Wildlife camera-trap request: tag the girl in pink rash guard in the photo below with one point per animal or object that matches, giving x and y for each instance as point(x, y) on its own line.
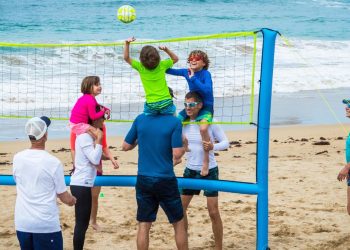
point(85, 107)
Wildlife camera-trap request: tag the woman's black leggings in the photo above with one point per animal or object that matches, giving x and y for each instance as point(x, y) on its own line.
point(82, 214)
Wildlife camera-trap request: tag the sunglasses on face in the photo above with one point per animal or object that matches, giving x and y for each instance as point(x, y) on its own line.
point(195, 58)
point(190, 104)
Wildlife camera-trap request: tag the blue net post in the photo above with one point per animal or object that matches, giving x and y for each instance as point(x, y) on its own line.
point(268, 52)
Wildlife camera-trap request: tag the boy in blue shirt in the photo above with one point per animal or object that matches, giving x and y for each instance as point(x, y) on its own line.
point(199, 79)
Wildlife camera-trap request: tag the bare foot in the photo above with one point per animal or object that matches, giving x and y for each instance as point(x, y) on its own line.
point(96, 227)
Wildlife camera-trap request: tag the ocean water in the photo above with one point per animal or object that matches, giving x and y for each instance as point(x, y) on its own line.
point(318, 30)
point(316, 59)
point(95, 20)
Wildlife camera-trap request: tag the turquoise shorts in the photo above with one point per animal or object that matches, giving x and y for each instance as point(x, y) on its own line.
point(206, 113)
point(165, 107)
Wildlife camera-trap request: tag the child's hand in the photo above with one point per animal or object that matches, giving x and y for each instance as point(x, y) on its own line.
point(164, 48)
point(107, 113)
point(190, 72)
point(208, 145)
point(115, 163)
point(343, 174)
point(130, 39)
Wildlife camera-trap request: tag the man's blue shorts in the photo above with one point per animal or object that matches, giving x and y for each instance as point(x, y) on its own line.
point(40, 241)
point(154, 191)
point(213, 175)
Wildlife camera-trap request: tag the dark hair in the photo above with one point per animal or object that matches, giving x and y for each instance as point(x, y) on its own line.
point(87, 84)
point(32, 138)
point(98, 109)
point(149, 57)
point(171, 92)
point(195, 95)
point(202, 54)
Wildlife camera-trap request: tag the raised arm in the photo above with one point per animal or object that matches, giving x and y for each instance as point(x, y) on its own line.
point(127, 57)
point(171, 54)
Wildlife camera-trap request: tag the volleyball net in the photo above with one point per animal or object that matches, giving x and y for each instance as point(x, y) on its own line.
point(44, 79)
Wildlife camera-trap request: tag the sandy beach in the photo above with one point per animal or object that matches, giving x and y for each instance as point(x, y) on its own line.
point(307, 205)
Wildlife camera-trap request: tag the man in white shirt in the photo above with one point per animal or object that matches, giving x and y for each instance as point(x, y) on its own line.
point(194, 161)
point(39, 181)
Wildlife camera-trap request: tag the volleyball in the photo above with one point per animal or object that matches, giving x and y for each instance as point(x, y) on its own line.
point(126, 14)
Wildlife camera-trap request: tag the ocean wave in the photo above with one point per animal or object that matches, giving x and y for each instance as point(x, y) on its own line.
point(53, 75)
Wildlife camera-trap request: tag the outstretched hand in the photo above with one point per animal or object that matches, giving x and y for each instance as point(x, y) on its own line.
point(130, 39)
point(164, 48)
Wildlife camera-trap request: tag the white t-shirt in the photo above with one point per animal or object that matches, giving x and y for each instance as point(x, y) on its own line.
point(39, 178)
point(194, 158)
point(87, 158)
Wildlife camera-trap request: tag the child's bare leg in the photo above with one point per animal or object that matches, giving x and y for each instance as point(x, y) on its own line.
point(205, 137)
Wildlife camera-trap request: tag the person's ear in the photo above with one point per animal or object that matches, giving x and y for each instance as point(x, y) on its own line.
point(45, 136)
point(200, 105)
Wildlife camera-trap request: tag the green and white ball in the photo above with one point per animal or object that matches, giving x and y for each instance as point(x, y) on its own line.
point(126, 14)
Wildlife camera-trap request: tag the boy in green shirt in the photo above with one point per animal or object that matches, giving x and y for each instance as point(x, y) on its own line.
point(152, 74)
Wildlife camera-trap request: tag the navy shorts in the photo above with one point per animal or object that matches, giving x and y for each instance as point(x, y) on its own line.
point(154, 191)
point(40, 241)
point(213, 175)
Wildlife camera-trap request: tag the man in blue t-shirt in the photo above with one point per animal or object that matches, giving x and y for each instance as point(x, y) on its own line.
point(159, 138)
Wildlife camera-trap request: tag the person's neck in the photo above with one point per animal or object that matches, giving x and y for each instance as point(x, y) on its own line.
point(198, 70)
point(38, 146)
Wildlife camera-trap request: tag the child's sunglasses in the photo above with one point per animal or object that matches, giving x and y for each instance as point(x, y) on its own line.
point(195, 58)
point(190, 104)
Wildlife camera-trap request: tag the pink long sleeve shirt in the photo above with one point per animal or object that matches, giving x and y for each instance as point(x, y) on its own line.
point(84, 109)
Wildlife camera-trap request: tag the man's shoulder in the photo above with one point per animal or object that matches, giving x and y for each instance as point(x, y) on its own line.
point(27, 153)
point(157, 119)
point(83, 138)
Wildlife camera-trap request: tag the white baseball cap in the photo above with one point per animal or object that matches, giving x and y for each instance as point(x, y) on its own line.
point(37, 127)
